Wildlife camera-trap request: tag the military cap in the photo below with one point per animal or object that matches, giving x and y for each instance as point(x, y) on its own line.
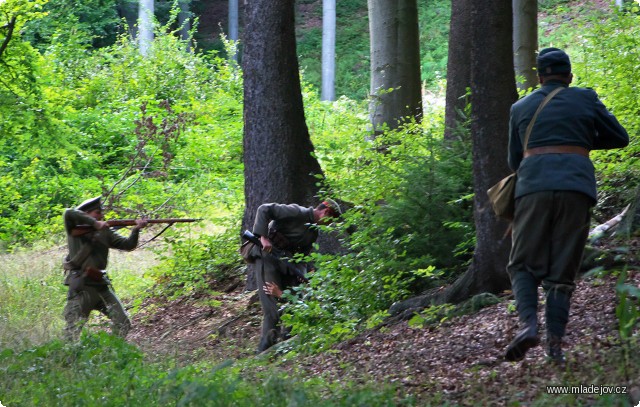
point(553, 61)
point(333, 205)
point(90, 204)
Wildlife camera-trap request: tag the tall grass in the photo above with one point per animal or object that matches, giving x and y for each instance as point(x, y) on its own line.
point(32, 295)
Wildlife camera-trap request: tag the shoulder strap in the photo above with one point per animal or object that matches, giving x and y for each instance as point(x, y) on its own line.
point(535, 116)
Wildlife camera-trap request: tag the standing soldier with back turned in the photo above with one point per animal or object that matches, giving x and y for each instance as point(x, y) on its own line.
point(555, 192)
point(89, 286)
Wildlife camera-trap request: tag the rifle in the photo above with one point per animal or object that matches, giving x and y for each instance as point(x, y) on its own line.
point(80, 230)
point(247, 235)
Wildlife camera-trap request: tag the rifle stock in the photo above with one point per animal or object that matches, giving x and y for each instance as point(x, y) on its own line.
point(80, 230)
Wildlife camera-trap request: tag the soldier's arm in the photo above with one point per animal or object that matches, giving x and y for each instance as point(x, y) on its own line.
point(515, 150)
point(273, 211)
point(610, 133)
point(117, 241)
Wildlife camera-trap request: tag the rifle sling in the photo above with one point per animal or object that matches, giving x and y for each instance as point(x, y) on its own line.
point(153, 238)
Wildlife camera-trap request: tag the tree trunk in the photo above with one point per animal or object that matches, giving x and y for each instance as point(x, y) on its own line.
point(233, 25)
point(493, 91)
point(278, 162)
point(395, 63)
point(525, 42)
point(184, 22)
point(328, 49)
point(458, 67)
point(145, 26)
point(491, 100)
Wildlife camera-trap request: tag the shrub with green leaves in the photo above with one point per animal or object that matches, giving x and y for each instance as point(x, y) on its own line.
point(412, 210)
point(191, 265)
point(105, 370)
point(606, 59)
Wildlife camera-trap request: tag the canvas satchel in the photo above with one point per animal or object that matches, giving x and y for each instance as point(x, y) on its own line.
point(247, 251)
point(502, 194)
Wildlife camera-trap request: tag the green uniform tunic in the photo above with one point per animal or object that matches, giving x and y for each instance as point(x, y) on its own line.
point(92, 290)
point(296, 224)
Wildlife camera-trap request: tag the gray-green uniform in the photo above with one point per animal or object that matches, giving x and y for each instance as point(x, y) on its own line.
point(554, 192)
point(89, 286)
point(296, 233)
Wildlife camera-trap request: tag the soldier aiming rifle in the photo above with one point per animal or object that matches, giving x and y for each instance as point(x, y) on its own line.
point(89, 238)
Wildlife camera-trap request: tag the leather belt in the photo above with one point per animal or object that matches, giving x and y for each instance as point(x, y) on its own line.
point(556, 150)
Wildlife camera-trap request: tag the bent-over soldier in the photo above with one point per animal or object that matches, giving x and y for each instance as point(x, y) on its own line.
point(284, 231)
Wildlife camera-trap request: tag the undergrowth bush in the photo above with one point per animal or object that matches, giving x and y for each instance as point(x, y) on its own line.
point(606, 59)
point(410, 228)
point(192, 265)
point(105, 370)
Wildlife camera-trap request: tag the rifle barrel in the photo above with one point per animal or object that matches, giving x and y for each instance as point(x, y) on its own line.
point(79, 230)
point(131, 222)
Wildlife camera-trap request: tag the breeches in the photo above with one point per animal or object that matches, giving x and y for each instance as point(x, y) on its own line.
point(101, 298)
point(549, 234)
point(270, 269)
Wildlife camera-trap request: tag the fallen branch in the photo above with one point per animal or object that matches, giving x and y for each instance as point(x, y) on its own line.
point(599, 231)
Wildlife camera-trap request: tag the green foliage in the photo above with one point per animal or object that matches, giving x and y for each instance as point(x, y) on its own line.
point(545, 5)
point(111, 121)
point(434, 33)
point(191, 265)
point(100, 369)
point(95, 21)
point(628, 310)
point(32, 300)
point(105, 370)
point(433, 315)
point(606, 59)
point(410, 217)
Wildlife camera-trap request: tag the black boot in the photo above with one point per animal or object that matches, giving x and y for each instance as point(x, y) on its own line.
point(554, 350)
point(525, 339)
point(525, 289)
point(557, 315)
point(267, 341)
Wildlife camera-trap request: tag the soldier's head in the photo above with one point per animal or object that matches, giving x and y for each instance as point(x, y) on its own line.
point(93, 207)
point(327, 210)
point(554, 63)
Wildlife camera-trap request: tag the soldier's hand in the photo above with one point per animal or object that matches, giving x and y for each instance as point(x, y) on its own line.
point(99, 225)
point(141, 223)
point(272, 289)
point(266, 244)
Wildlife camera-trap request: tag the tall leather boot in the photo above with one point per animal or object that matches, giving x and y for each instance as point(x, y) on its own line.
point(557, 314)
point(525, 289)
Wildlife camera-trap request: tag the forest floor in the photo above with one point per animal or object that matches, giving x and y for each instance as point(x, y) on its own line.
point(458, 361)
